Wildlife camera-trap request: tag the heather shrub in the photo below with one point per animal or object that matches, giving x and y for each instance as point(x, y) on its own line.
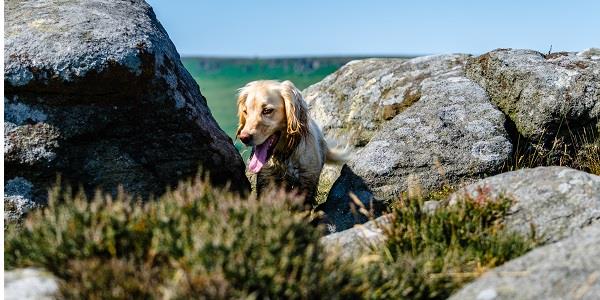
point(199, 242)
point(430, 254)
point(194, 242)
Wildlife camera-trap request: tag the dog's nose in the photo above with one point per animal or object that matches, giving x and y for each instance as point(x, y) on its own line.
point(245, 138)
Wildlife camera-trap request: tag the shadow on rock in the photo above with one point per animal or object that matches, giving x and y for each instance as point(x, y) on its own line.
point(341, 212)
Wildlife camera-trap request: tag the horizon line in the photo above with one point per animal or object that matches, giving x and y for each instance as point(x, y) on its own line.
point(299, 56)
point(361, 55)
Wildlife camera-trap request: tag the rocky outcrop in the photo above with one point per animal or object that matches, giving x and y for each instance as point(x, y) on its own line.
point(95, 91)
point(568, 269)
point(359, 240)
point(426, 124)
point(449, 119)
point(553, 201)
point(553, 100)
point(29, 283)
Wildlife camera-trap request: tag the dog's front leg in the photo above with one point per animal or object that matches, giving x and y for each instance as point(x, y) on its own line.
point(308, 182)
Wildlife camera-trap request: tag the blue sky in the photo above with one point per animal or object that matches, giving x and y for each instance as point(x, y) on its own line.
point(269, 28)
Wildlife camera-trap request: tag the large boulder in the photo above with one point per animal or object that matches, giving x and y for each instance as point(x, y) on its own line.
point(553, 100)
point(568, 269)
point(553, 201)
point(95, 91)
point(447, 133)
point(354, 102)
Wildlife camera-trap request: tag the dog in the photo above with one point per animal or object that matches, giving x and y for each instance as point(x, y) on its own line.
point(288, 147)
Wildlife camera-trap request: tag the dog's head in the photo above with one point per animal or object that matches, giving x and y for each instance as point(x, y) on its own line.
point(272, 115)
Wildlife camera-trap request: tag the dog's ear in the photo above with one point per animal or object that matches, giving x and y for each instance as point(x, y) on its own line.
point(241, 103)
point(296, 112)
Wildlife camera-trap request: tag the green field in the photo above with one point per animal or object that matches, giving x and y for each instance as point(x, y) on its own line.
point(219, 79)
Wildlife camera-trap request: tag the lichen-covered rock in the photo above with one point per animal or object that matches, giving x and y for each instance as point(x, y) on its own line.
point(556, 201)
point(551, 98)
point(95, 91)
point(31, 145)
point(354, 102)
point(21, 284)
point(17, 199)
point(451, 133)
point(359, 240)
point(568, 269)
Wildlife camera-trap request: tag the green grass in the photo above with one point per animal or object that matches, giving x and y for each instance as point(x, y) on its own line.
point(200, 242)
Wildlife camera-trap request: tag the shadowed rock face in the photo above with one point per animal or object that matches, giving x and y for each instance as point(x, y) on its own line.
point(95, 91)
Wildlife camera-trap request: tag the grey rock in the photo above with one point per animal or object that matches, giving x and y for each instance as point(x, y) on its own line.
point(356, 100)
point(556, 201)
point(95, 90)
point(18, 186)
point(430, 206)
point(29, 283)
point(450, 134)
point(353, 103)
point(551, 98)
point(591, 53)
point(17, 199)
point(359, 240)
point(32, 145)
point(568, 269)
point(20, 113)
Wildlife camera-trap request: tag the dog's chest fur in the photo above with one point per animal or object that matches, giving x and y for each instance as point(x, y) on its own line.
point(298, 171)
point(280, 171)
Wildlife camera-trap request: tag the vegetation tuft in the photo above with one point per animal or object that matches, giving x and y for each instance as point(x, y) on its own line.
point(579, 150)
point(430, 254)
point(588, 157)
point(201, 242)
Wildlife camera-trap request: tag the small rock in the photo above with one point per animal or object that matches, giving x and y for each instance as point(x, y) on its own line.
point(431, 206)
point(359, 240)
point(591, 53)
point(29, 283)
point(489, 294)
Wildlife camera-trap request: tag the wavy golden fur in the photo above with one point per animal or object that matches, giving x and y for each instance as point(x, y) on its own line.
point(269, 108)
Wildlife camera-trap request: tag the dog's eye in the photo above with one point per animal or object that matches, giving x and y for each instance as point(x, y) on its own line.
point(267, 111)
